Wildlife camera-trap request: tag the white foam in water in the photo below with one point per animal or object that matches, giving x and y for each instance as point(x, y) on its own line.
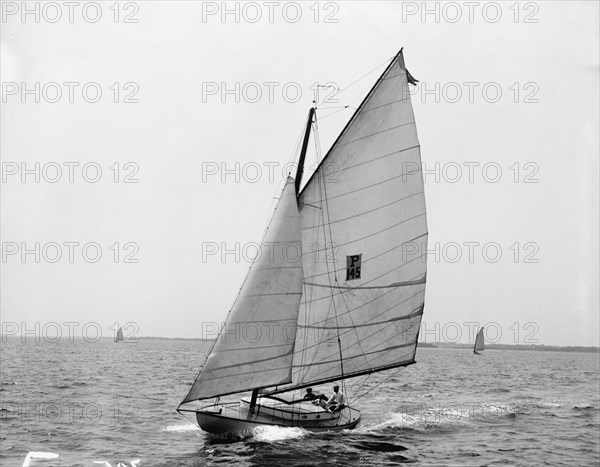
point(180, 428)
point(549, 405)
point(399, 420)
point(424, 419)
point(277, 433)
point(33, 455)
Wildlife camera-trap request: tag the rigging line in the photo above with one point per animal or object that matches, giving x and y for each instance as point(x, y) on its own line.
point(387, 60)
point(365, 285)
point(389, 154)
point(230, 309)
point(403, 175)
point(368, 211)
point(324, 86)
point(415, 312)
point(355, 331)
point(360, 396)
point(328, 359)
point(383, 312)
point(387, 251)
point(364, 380)
point(379, 231)
point(315, 354)
point(308, 307)
point(324, 185)
point(341, 90)
point(376, 133)
point(338, 111)
point(391, 290)
point(304, 337)
point(419, 279)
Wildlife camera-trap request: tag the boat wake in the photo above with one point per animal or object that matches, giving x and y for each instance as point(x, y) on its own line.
point(444, 417)
point(180, 428)
point(269, 434)
point(418, 422)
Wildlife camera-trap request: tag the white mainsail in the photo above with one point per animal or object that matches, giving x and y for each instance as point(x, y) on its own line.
point(479, 341)
point(364, 208)
point(254, 349)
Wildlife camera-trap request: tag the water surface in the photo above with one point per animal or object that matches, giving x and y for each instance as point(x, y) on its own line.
point(93, 402)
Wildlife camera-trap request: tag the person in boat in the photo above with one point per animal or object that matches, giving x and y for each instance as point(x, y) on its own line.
point(316, 399)
point(337, 401)
point(310, 395)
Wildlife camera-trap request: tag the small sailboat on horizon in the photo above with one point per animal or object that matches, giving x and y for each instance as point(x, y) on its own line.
point(337, 297)
point(119, 336)
point(479, 343)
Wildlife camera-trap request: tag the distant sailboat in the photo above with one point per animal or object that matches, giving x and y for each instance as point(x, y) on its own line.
point(119, 336)
point(336, 297)
point(479, 345)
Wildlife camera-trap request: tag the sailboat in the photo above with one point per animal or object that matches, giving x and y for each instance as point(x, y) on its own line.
point(340, 294)
point(119, 336)
point(479, 345)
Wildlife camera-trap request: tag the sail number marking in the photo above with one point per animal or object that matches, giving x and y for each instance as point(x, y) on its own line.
point(353, 263)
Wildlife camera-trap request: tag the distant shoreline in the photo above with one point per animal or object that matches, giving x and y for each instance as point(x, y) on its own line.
point(530, 347)
point(424, 345)
point(444, 345)
point(447, 345)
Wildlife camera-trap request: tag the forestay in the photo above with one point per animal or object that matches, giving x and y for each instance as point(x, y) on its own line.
point(254, 349)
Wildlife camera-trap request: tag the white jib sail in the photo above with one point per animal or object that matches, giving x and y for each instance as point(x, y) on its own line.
point(255, 348)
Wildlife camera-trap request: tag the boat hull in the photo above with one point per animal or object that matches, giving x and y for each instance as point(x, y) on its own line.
point(241, 420)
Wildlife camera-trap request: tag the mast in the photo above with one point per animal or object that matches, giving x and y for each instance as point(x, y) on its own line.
point(253, 402)
point(311, 113)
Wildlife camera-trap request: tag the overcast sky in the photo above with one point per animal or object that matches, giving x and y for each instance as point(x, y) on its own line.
point(506, 110)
